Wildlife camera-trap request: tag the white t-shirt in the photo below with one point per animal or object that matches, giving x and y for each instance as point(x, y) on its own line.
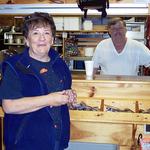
point(127, 62)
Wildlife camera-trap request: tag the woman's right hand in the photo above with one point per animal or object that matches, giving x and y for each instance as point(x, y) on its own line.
point(62, 98)
point(29, 104)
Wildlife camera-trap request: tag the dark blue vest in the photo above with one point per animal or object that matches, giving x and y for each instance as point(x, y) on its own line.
point(37, 130)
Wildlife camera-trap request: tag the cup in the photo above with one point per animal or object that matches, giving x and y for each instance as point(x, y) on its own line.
point(10, 41)
point(18, 41)
point(89, 69)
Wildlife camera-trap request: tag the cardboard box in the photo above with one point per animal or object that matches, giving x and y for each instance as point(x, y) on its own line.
point(59, 22)
point(72, 23)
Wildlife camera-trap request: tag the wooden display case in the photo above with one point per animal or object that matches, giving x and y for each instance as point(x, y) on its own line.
point(128, 100)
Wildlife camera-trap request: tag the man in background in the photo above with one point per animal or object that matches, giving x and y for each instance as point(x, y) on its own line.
point(119, 55)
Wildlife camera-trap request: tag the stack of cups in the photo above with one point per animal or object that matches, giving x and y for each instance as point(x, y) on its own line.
point(89, 64)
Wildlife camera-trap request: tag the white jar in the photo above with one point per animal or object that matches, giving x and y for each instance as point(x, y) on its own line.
point(87, 25)
point(88, 51)
point(18, 41)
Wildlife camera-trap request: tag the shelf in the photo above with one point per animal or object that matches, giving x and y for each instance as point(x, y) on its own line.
point(14, 44)
point(57, 45)
point(84, 31)
point(15, 33)
point(14, 39)
point(68, 31)
point(85, 38)
point(78, 71)
point(110, 117)
point(79, 58)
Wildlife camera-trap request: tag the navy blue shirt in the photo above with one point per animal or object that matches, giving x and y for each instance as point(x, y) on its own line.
point(52, 81)
point(48, 75)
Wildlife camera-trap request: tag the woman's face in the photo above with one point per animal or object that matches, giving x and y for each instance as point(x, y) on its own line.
point(39, 41)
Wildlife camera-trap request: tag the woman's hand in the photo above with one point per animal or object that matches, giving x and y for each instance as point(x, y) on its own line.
point(30, 104)
point(62, 98)
point(72, 96)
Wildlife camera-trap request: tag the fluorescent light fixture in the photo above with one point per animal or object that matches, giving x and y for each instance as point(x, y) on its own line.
point(134, 9)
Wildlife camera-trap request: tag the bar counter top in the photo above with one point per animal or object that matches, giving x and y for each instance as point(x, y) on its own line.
point(112, 87)
point(108, 92)
point(113, 78)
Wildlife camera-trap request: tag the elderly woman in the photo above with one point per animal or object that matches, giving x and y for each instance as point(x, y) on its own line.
point(35, 90)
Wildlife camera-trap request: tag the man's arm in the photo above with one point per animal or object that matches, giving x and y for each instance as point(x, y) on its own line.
point(96, 71)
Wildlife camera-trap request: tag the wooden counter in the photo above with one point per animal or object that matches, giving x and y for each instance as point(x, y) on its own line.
point(102, 126)
point(118, 87)
point(122, 128)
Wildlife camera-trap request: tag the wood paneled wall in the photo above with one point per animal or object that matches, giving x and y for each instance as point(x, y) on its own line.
point(6, 20)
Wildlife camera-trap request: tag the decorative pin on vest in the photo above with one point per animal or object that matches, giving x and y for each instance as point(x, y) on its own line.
point(43, 70)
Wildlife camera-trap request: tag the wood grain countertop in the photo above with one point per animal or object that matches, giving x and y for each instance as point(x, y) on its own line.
point(110, 78)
